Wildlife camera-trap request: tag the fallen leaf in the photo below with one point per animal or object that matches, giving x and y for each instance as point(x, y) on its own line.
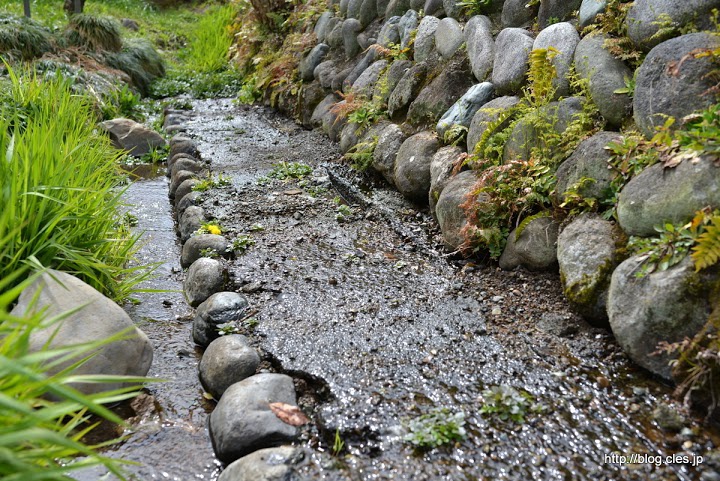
point(293, 192)
point(289, 414)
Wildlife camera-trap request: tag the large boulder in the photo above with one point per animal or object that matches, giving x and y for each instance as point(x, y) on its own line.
point(204, 278)
point(650, 22)
point(133, 137)
point(533, 247)
point(588, 252)
point(512, 52)
point(556, 11)
point(390, 79)
point(389, 142)
point(368, 12)
point(321, 27)
point(605, 74)
point(489, 114)
point(395, 7)
point(441, 168)
point(480, 46)
point(407, 89)
point(218, 309)
point(243, 421)
point(365, 83)
point(588, 161)
point(425, 37)
point(93, 318)
point(323, 109)
point(227, 360)
point(190, 221)
point(448, 210)
point(389, 33)
point(518, 13)
point(659, 195)
point(407, 25)
point(204, 245)
point(463, 111)
point(412, 166)
point(672, 82)
point(269, 464)
point(589, 10)
point(309, 97)
point(325, 72)
point(350, 30)
point(308, 64)
point(563, 38)
point(663, 306)
point(434, 7)
point(355, 73)
point(448, 37)
point(444, 90)
point(183, 145)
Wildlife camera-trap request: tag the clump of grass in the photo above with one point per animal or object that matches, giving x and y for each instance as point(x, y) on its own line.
point(60, 188)
point(23, 38)
point(508, 403)
point(437, 428)
point(211, 40)
point(94, 33)
point(290, 170)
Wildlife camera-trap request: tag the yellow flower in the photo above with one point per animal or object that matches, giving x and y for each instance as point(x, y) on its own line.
point(213, 229)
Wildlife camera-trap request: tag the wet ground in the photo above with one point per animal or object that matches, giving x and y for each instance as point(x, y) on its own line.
point(356, 299)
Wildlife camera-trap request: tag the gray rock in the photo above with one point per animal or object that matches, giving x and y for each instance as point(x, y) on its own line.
point(184, 163)
point(334, 122)
point(365, 40)
point(535, 248)
point(182, 203)
point(343, 6)
point(339, 80)
point(193, 249)
point(368, 59)
point(324, 73)
point(183, 145)
point(450, 215)
point(516, 14)
point(487, 114)
point(425, 38)
point(665, 306)
point(441, 167)
point(417, 5)
point(480, 46)
point(204, 278)
point(589, 161)
point(412, 166)
point(354, 9)
point(322, 109)
point(179, 177)
point(605, 75)
point(365, 83)
point(242, 421)
point(350, 29)
point(434, 7)
point(368, 12)
point(512, 52)
point(308, 64)
point(448, 37)
point(95, 318)
point(407, 88)
point(390, 79)
point(226, 361)
point(587, 252)
point(556, 11)
point(658, 195)
point(270, 464)
point(589, 9)
point(382, 6)
point(175, 158)
point(660, 91)
point(396, 8)
point(130, 24)
point(321, 27)
point(564, 38)
point(334, 38)
point(407, 24)
point(389, 32)
point(132, 137)
point(668, 418)
point(190, 222)
point(525, 136)
point(444, 90)
point(463, 111)
point(646, 18)
point(220, 308)
point(350, 136)
point(184, 189)
point(389, 142)
point(452, 8)
point(309, 96)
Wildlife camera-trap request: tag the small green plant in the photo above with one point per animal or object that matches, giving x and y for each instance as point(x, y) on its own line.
point(393, 51)
point(212, 182)
point(209, 252)
point(212, 227)
point(257, 228)
point(227, 329)
point(507, 403)
point(361, 154)
point(455, 135)
point(156, 155)
point(629, 88)
point(707, 251)
point(343, 212)
point(437, 428)
point(130, 219)
point(338, 443)
point(290, 170)
point(242, 243)
point(475, 7)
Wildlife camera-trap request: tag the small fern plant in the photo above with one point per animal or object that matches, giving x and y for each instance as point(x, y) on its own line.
point(706, 252)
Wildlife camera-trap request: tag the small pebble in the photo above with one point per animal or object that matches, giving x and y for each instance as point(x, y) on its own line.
point(496, 311)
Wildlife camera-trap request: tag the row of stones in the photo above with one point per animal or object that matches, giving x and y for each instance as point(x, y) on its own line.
point(244, 431)
point(587, 251)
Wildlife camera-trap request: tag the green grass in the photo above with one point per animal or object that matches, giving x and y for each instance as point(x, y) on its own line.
point(210, 43)
point(60, 190)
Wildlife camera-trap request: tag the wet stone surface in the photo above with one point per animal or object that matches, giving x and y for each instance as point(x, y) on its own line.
point(366, 305)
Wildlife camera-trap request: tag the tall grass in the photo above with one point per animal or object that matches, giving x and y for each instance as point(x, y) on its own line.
point(210, 43)
point(59, 188)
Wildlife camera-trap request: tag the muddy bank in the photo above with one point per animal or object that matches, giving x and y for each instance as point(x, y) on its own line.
point(356, 298)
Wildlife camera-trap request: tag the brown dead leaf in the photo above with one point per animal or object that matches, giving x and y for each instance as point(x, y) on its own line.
point(293, 192)
point(289, 414)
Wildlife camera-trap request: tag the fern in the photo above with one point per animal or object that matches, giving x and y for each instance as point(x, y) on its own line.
point(540, 75)
point(707, 250)
point(526, 221)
